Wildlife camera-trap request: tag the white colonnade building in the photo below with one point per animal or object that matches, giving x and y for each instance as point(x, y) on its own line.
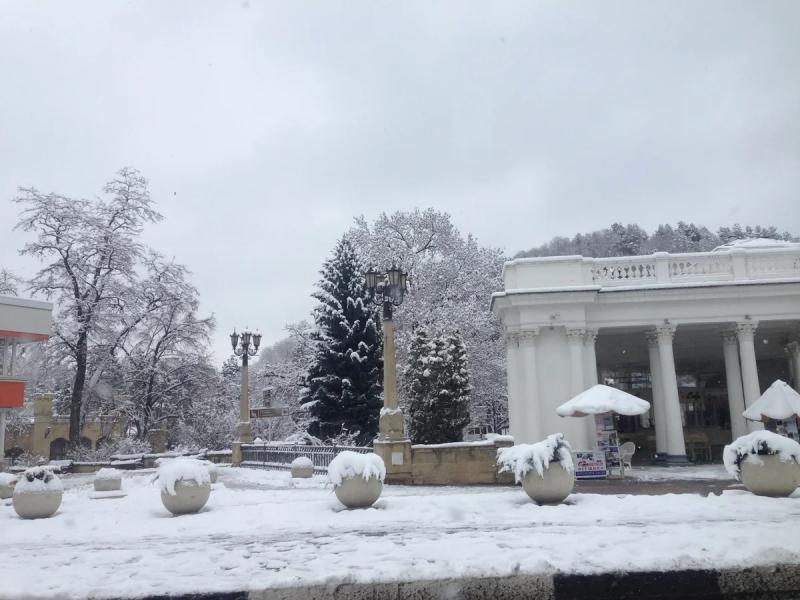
point(700, 335)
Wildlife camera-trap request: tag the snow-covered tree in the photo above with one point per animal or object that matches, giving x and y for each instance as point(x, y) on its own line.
point(281, 370)
point(439, 388)
point(451, 278)
point(8, 283)
point(167, 350)
point(344, 381)
point(91, 250)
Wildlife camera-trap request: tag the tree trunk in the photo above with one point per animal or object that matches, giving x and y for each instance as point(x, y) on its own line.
point(76, 401)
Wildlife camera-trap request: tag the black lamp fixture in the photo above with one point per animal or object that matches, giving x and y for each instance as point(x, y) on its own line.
point(386, 289)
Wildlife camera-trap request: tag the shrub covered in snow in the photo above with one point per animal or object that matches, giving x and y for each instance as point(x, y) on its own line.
point(522, 458)
point(758, 443)
point(38, 479)
point(181, 469)
point(349, 464)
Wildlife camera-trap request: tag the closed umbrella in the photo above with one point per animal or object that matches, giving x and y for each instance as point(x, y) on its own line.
point(600, 399)
point(779, 402)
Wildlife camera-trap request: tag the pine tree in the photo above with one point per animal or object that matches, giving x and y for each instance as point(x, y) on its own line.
point(344, 381)
point(439, 388)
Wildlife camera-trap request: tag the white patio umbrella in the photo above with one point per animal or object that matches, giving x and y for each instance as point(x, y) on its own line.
point(600, 399)
point(780, 401)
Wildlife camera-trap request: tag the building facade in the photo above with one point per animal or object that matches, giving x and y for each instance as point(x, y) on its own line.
point(699, 335)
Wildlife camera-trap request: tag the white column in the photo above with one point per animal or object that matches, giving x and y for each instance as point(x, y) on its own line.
point(733, 377)
point(745, 333)
point(532, 425)
point(676, 447)
point(793, 352)
point(515, 406)
point(657, 387)
point(590, 378)
point(590, 358)
point(576, 361)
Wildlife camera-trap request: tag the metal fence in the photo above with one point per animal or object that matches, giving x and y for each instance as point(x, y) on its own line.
point(281, 456)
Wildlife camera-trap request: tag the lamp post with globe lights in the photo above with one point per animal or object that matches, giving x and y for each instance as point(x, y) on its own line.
point(245, 345)
point(388, 290)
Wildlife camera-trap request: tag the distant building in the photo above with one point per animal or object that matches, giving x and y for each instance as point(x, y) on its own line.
point(700, 335)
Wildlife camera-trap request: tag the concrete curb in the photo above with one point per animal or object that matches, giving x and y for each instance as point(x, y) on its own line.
point(777, 582)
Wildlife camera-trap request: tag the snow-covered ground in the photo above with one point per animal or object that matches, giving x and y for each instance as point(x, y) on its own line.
point(260, 529)
point(715, 472)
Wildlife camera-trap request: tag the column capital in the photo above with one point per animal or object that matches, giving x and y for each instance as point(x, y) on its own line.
point(575, 335)
point(527, 336)
point(745, 330)
point(590, 336)
point(664, 332)
point(512, 337)
point(729, 337)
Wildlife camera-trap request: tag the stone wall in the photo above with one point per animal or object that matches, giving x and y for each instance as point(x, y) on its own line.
point(461, 463)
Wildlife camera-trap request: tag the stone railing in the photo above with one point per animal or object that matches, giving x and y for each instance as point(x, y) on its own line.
point(660, 268)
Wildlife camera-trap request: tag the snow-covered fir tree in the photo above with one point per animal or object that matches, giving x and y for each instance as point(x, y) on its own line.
point(439, 389)
point(345, 377)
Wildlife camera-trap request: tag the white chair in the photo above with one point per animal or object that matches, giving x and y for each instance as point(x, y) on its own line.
point(626, 452)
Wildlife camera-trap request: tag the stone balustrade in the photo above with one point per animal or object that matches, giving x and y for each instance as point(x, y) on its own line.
point(658, 269)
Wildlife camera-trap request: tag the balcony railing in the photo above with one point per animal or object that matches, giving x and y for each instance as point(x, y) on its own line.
point(660, 268)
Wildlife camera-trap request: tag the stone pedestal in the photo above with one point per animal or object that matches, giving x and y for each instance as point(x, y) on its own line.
point(244, 432)
point(236, 454)
point(396, 456)
point(391, 426)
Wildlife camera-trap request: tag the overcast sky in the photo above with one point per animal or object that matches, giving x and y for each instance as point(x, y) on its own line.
point(265, 127)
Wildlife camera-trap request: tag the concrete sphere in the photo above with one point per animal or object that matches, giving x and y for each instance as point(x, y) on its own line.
point(7, 489)
point(357, 492)
point(553, 488)
point(302, 468)
point(39, 504)
point(774, 478)
point(189, 497)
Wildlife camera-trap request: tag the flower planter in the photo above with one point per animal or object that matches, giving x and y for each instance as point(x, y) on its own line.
point(544, 469)
point(357, 492)
point(185, 485)
point(767, 464)
point(37, 494)
point(357, 478)
point(770, 476)
point(7, 483)
point(302, 467)
point(552, 487)
point(107, 480)
point(189, 497)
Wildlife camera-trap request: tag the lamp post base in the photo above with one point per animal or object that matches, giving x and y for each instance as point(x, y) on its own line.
point(396, 457)
point(244, 432)
point(391, 426)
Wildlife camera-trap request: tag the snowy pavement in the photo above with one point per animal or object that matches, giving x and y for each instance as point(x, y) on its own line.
point(260, 529)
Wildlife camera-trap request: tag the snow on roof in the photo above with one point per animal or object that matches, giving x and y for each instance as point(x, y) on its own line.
point(600, 399)
point(756, 243)
point(780, 401)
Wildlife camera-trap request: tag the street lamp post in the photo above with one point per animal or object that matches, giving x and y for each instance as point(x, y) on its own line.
point(388, 290)
point(245, 345)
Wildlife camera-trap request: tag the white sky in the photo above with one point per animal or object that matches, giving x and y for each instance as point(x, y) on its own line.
point(265, 127)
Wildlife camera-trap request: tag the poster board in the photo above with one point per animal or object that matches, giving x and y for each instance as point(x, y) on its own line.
point(608, 444)
point(590, 464)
